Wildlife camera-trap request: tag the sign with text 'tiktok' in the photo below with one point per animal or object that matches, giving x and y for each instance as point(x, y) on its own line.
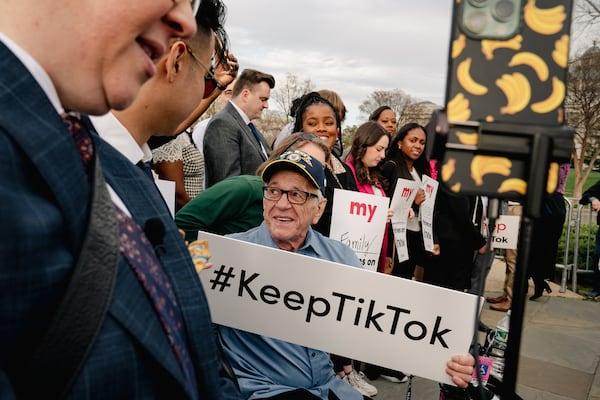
point(398, 323)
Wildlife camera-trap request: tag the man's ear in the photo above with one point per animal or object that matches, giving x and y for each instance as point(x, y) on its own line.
point(321, 209)
point(175, 58)
point(244, 94)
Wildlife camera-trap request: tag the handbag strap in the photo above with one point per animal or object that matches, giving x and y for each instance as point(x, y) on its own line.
point(80, 314)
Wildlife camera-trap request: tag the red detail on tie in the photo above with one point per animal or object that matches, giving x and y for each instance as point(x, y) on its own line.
point(138, 251)
point(82, 139)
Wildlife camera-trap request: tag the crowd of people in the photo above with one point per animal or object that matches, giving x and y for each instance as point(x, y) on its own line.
point(96, 277)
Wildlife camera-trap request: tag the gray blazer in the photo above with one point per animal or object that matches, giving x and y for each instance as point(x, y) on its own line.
point(230, 148)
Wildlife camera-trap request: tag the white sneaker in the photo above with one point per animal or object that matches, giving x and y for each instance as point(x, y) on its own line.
point(358, 382)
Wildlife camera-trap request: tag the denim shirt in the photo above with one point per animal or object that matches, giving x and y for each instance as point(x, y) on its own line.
point(266, 367)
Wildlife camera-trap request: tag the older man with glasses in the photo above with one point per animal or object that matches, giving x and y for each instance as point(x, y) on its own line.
point(267, 368)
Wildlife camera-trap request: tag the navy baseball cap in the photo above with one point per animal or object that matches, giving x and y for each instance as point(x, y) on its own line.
point(301, 162)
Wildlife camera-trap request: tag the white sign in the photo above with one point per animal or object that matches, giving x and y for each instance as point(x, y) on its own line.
point(506, 233)
point(369, 316)
point(402, 199)
point(358, 220)
point(167, 190)
point(430, 188)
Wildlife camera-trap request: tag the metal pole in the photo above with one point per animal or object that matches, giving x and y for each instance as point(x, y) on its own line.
point(536, 188)
point(563, 281)
point(576, 251)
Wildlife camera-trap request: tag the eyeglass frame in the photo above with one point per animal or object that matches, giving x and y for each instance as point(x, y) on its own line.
point(286, 192)
point(210, 80)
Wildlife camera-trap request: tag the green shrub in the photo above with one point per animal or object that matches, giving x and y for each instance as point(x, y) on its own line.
point(585, 232)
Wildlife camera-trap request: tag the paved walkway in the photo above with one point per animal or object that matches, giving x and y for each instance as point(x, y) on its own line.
point(560, 348)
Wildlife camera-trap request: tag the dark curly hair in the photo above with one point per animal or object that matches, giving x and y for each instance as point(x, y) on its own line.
point(395, 165)
point(308, 100)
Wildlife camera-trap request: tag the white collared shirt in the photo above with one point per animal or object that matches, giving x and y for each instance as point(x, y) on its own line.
point(116, 134)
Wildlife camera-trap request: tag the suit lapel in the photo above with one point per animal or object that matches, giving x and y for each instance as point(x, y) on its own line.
point(33, 123)
point(247, 132)
point(143, 202)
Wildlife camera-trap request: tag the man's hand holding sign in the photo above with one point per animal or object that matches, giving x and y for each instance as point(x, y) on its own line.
point(272, 303)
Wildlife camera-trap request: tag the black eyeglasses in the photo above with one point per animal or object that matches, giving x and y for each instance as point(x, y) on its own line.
point(293, 196)
point(210, 80)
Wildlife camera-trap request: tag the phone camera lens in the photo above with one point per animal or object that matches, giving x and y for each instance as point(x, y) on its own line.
point(503, 10)
point(476, 21)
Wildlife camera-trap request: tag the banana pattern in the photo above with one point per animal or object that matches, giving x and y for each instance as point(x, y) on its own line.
point(448, 169)
point(488, 46)
point(463, 74)
point(523, 68)
point(471, 139)
point(534, 61)
point(517, 80)
point(458, 45)
point(484, 165)
point(458, 108)
point(552, 177)
point(554, 100)
point(547, 21)
point(513, 185)
point(560, 55)
point(517, 90)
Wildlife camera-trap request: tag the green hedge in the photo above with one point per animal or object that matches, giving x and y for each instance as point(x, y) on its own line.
point(585, 232)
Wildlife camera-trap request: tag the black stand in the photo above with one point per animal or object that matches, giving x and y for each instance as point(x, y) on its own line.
point(538, 146)
point(536, 188)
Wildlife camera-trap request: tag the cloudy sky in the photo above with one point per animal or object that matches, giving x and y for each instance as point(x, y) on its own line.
point(351, 46)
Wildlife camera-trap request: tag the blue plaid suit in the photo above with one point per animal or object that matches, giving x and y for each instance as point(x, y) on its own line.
point(44, 210)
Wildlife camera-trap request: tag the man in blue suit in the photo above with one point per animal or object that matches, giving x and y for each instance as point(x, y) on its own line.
point(82, 57)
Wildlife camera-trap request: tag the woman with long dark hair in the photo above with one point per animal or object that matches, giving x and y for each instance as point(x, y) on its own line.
point(406, 159)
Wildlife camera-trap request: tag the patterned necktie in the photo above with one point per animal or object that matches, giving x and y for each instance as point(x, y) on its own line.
point(257, 137)
point(83, 140)
point(138, 251)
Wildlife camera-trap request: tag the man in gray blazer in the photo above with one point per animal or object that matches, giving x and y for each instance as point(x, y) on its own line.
point(232, 144)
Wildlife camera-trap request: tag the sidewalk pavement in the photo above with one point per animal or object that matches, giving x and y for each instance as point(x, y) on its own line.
point(560, 348)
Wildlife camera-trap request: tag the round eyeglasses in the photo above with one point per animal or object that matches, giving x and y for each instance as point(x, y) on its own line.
point(293, 196)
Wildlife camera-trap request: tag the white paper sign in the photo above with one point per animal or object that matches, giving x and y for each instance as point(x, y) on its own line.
point(402, 200)
point(167, 190)
point(397, 323)
point(506, 234)
point(358, 220)
point(430, 188)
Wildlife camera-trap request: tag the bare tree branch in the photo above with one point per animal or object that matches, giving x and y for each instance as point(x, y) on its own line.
point(582, 105)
